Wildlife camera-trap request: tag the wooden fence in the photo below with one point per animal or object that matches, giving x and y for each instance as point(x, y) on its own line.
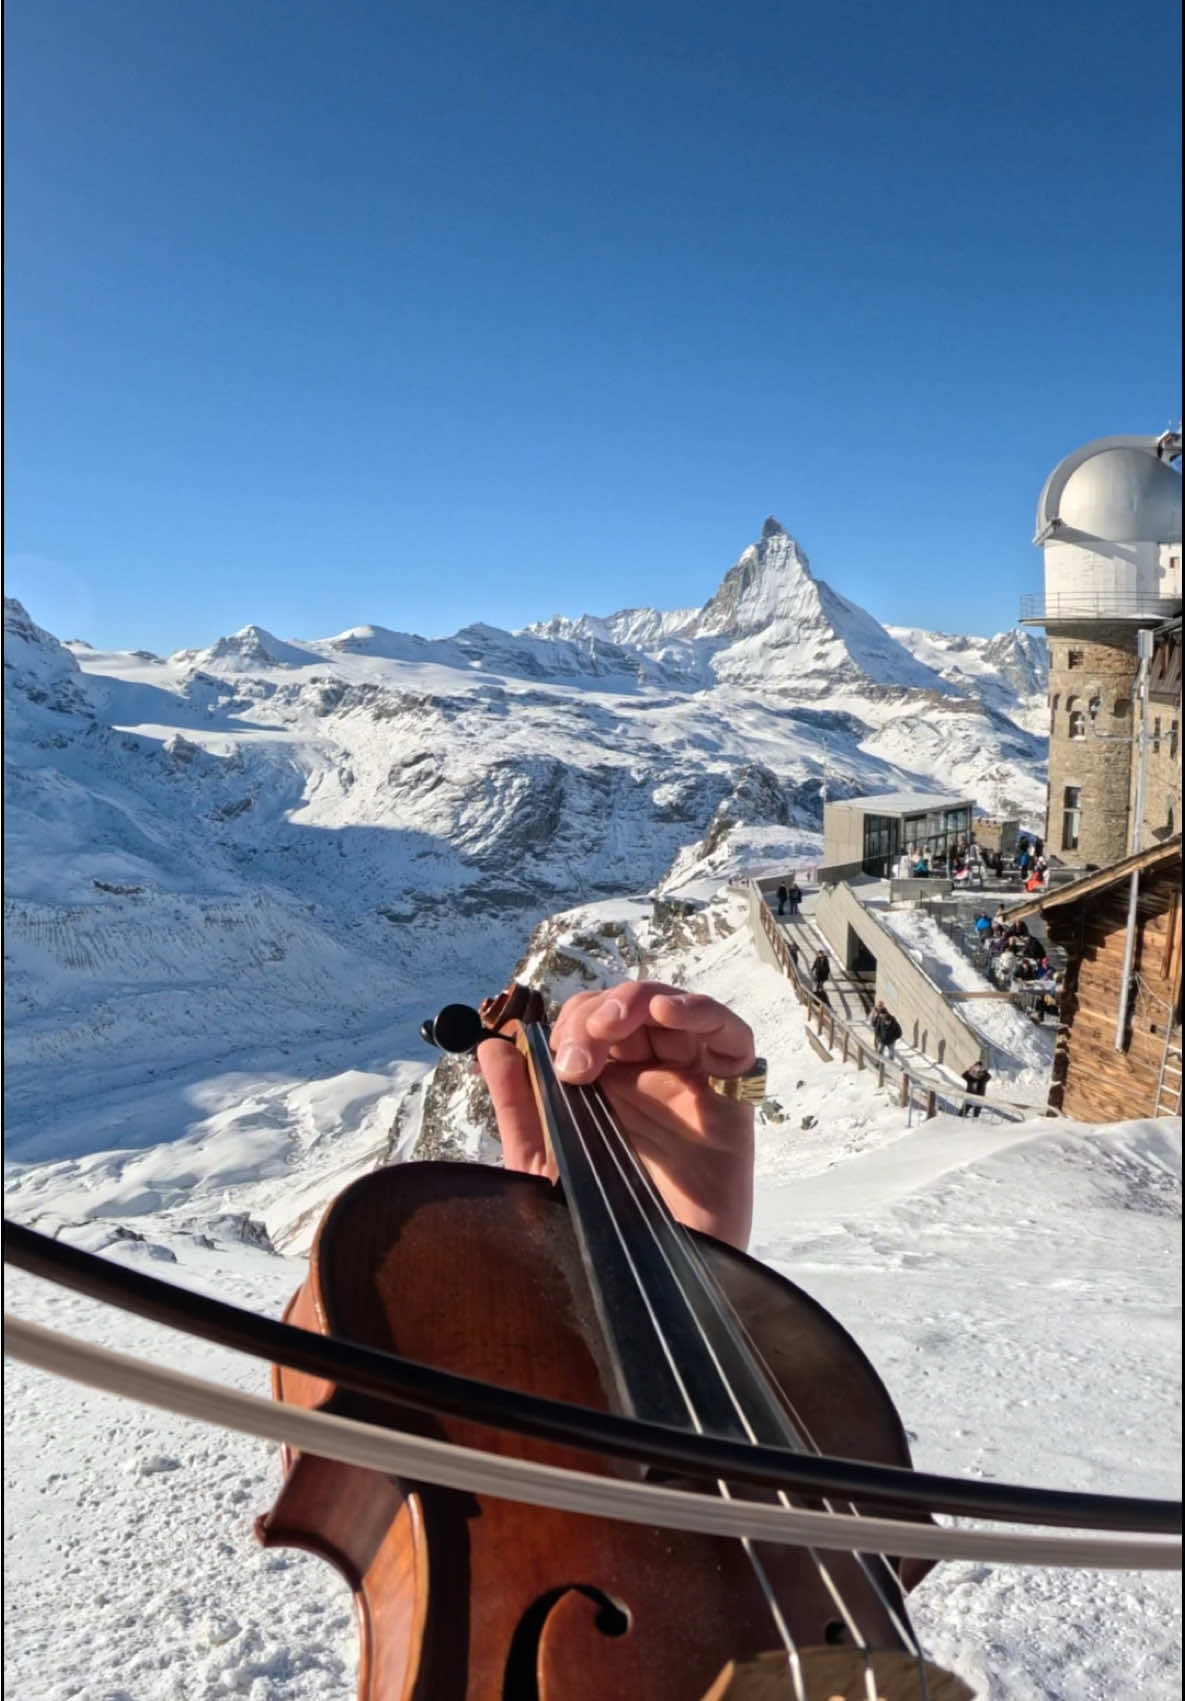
point(929, 1094)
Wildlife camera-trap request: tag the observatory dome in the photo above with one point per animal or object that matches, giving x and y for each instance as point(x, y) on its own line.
point(1120, 494)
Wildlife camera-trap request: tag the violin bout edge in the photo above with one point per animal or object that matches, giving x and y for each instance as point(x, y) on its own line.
point(837, 1674)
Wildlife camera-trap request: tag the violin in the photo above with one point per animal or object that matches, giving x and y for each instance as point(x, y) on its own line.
point(585, 1290)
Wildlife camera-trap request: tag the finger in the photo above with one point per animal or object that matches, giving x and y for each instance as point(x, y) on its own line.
point(505, 1073)
point(579, 1035)
point(723, 1037)
point(678, 1050)
point(638, 1021)
point(616, 1018)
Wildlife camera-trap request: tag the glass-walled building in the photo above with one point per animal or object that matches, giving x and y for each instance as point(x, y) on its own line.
point(867, 835)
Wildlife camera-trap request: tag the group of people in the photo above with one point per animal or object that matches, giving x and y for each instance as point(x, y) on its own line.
point(965, 863)
point(961, 862)
point(789, 899)
point(1012, 950)
point(1015, 959)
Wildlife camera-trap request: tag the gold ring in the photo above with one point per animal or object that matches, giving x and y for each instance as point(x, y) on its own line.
point(749, 1088)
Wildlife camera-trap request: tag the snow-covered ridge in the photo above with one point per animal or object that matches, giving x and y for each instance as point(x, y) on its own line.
point(772, 624)
point(1008, 672)
point(349, 805)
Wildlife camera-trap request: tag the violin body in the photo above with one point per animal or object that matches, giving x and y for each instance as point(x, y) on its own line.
point(464, 1598)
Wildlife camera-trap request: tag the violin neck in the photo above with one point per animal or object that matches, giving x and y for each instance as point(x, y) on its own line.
point(679, 1354)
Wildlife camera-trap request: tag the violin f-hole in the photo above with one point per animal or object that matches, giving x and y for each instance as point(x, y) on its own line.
point(521, 1681)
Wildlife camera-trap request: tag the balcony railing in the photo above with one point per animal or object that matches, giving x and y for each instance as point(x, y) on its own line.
point(1101, 605)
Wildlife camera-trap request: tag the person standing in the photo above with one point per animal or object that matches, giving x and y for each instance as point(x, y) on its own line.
point(794, 898)
point(878, 1021)
point(819, 971)
point(976, 1079)
point(891, 1032)
point(782, 899)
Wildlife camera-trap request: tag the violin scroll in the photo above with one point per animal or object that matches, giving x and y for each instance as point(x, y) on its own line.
point(459, 1028)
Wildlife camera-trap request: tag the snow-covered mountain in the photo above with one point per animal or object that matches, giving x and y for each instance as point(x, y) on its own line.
point(772, 624)
point(1008, 672)
point(179, 828)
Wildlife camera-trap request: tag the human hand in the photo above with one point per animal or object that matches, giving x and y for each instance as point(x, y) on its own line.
point(651, 1047)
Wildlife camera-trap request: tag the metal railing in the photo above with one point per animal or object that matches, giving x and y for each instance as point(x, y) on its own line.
point(927, 1093)
point(1101, 605)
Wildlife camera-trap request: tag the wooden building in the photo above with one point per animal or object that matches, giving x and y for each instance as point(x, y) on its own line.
point(1092, 1081)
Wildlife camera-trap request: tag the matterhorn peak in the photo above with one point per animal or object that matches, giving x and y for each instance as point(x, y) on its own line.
point(768, 582)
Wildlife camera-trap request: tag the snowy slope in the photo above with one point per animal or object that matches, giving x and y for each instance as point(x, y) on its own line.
point(1016, 1287)
point(1008, 672)
point(208, 852)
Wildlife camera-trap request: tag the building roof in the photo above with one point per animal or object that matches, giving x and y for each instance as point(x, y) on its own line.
point(1118, 489)
point(901, 803)
point(1155, 857)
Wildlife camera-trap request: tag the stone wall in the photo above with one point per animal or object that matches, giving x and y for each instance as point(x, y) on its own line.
point(1162, 814)
point(1091, 662)
point(1163, 774)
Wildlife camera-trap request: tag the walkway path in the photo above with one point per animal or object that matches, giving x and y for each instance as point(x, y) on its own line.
point(850, 1000)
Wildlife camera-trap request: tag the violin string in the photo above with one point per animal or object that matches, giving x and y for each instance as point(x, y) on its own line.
point(603, 1117)
point(562, 1097)
point(720, 1302)
point(716, 1296)
point(880, 1560)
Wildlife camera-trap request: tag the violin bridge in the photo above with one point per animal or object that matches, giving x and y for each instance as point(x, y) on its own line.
point(838, 1674)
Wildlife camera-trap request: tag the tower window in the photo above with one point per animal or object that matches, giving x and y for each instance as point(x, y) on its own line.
point(1077, 723)
point(1071, 815)
point(1074, 658)
point(1121, 706)
point(1173, 738)
point(1157, 734)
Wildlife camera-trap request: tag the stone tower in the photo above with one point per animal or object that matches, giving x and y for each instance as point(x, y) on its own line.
point(1110, 526)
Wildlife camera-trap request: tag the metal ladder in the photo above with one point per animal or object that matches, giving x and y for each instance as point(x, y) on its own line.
point(1168, 1101)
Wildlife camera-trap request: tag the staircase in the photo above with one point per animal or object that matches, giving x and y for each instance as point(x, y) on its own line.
point(855, 996)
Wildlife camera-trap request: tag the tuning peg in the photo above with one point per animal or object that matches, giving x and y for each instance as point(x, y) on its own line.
point(456, 1028)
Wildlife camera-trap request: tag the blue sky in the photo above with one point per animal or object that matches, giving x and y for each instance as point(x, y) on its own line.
point(325, 314)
